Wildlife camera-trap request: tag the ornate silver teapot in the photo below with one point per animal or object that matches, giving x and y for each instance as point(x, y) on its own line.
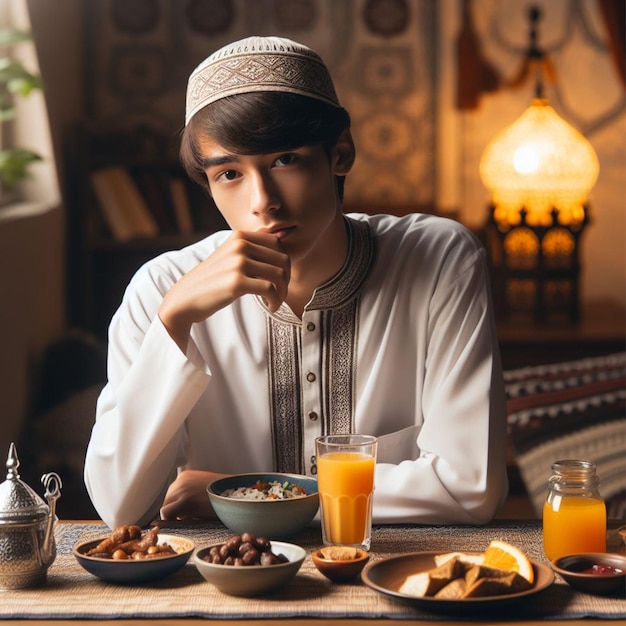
point(27, 546)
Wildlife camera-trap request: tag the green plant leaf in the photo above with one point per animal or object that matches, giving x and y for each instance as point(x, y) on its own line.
point(14, 164)
point(7, 108)
point(23, 85)
point(11, 70)
point(15, 80)
point(11, 36)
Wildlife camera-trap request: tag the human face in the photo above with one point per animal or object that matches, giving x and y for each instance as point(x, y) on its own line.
point(291, 195)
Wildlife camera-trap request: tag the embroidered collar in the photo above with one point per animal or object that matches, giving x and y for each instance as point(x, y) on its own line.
point(347, 283)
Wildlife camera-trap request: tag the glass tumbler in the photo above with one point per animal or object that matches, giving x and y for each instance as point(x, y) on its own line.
point(345, 480)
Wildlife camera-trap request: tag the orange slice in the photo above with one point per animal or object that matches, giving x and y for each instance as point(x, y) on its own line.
point(504, 556)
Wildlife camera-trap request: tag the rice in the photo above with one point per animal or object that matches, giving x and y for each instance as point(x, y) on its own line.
point(274, 490)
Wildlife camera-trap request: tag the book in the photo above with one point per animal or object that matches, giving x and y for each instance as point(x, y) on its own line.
point(180, 201)
point(122, 205)
point(158, 199)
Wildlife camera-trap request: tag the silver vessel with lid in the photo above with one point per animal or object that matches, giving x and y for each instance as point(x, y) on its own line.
point(27, 546)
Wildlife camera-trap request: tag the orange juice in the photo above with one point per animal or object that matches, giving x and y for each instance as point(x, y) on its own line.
point(346, 485)
point(573, 524)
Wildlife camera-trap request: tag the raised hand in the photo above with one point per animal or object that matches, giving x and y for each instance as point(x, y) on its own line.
point(246, 263)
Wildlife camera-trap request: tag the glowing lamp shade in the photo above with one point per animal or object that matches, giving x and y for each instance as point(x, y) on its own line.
point(539, 163)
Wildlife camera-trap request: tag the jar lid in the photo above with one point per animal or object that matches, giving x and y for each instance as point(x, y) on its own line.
point(18, 502)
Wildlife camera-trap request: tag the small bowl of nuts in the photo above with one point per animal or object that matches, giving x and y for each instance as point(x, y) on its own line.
point(338, 563)
point(247, 565)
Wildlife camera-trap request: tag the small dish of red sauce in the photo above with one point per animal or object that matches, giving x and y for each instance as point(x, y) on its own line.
point(593, 572)
point(601, 570)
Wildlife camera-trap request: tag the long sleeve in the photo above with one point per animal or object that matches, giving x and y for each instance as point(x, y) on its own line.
point(458, 442)
point(139, 434)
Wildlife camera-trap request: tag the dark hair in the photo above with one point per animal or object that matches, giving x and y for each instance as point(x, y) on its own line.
point(261, 123)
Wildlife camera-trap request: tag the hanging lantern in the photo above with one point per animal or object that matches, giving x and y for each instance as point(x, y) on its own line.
point(539, 164)
point(539, 172)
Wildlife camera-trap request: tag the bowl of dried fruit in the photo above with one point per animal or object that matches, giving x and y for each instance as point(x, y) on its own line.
point(248, 565)
point(271, 505)
point(338, 563)
point(132, 555)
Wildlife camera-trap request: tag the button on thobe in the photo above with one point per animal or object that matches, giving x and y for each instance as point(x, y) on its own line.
point(311, 385)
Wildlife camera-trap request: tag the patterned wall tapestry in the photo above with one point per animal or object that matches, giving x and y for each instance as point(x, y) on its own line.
point(380, 52)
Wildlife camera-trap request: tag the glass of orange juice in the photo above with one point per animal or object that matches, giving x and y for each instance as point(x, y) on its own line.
point(345, 482)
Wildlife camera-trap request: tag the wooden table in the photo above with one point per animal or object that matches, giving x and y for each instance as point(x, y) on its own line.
point(298, 622)
point(71, 593)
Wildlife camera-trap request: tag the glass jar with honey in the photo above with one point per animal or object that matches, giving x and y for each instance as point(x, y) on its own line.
point(574, 513)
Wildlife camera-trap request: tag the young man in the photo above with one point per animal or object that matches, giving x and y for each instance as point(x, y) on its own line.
point(233, 354)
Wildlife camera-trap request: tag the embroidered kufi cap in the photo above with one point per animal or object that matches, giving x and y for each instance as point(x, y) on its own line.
point(259, 64)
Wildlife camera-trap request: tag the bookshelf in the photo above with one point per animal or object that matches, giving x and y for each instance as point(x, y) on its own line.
point(105, 243)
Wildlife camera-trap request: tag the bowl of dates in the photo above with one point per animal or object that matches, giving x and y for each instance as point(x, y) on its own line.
point(248, 565)
point(130, 554)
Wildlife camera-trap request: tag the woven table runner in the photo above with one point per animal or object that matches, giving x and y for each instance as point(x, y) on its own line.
point(72, 593)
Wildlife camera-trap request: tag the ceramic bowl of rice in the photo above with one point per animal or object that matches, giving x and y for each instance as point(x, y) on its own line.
point(271, 505)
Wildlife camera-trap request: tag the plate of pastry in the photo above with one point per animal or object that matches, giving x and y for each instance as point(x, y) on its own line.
point(459, 581)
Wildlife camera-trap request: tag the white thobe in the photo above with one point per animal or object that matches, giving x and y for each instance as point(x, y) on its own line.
point(400, 344)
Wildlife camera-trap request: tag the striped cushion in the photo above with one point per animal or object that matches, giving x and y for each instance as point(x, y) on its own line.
point(570, 410)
